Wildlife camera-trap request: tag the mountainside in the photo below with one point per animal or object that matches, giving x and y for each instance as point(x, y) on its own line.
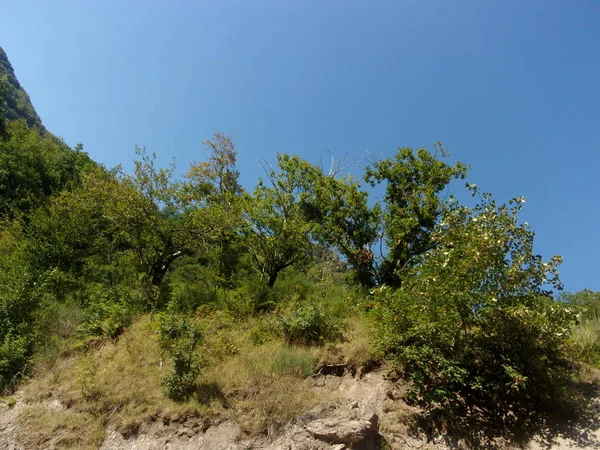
point(15, 102)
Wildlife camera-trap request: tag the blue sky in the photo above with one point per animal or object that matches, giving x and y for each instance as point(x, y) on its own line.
point(512, 88)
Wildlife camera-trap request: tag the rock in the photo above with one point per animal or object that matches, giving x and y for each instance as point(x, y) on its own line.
point(344, 430)
point(354, 405)
point(223, 436)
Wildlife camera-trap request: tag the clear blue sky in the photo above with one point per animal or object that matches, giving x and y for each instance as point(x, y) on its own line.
point(512, 88)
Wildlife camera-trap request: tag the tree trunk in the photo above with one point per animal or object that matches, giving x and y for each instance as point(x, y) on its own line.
point(272, 278)
point(159, 268)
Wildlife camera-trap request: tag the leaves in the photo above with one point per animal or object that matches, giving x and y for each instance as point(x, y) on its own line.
point(474, 320)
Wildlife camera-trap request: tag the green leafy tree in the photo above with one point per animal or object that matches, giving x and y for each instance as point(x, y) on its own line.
point(278, 234)
point(17, 303)
point(474, 324)
point(34, 167)
point(414, 182)
point(587, 301)
point(151, 214)
point(213, 186)
point(340, 215)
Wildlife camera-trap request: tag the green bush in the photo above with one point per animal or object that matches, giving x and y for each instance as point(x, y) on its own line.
point(180, 337)
point(181, 382)
point(192, 285)
point(473, 324)
point(14, 359)
point(108, 310)
point(260, 333)
point(107, 319)
point(292, 286)
point(60, 319)
point(238, 302)
point(17, 303)
point(309, 323)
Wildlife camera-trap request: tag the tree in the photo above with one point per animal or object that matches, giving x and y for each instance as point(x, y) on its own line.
point(412, 205)
point(34, 167)
point(587, 301)
point(215, 185)
point(278, 234)
point(340, 215)
point(474, 324)
point(159, 218)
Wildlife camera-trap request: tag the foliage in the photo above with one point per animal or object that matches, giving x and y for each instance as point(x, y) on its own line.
point(340, 214)
point(14, 101)
point(214, 186)
point(413, 184)
point(180, 337)
point(308, 323)
point(585, 339)
point(474, 324)
point(462, 305)
point(34, 166)
point(17, 302)
point(587, 302)
point(14, 358)
point(107, 318)
point(278, 234)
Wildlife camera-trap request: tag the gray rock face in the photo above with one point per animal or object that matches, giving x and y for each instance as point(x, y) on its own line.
point(344, 429)
point(331, 427)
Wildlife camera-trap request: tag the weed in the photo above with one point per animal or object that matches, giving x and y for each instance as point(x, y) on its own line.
point(585, 339)
point(294, 361)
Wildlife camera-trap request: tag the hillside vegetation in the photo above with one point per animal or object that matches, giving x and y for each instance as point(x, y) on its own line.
point(15, 101)
point(134, 297)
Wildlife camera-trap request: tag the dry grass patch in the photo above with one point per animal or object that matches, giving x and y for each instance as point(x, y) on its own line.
point(355, 350)
point(259, 383)
point(41, 427)
point(265, 386)
point(117, 384)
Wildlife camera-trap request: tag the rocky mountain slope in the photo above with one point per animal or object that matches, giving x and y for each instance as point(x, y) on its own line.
point(16, 103)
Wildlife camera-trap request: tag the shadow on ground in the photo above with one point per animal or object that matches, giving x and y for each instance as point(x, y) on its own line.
point(577, 422)
point(207, 392)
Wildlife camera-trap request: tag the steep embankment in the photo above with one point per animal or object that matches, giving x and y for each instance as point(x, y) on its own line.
point(107, 394)
point(15, 101)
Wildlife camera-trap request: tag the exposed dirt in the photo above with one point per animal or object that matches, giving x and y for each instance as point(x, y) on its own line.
point(368, 413)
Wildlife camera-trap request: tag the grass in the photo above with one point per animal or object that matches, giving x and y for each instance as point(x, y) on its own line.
point(355, 350)
point(249, 374)
point(44, 428)
point(117, 385)
point(585, 339)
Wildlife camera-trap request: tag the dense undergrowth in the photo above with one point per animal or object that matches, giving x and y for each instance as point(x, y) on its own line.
point(133, 297)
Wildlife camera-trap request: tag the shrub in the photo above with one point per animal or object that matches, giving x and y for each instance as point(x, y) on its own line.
point(106, 318)
point(472, 324)
point(260, 333)
point(14, 358)
point(238, 302)
point(180, 337)
point(181, 382)
point(60, 319)
point(17, 302)
point(309, 323)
